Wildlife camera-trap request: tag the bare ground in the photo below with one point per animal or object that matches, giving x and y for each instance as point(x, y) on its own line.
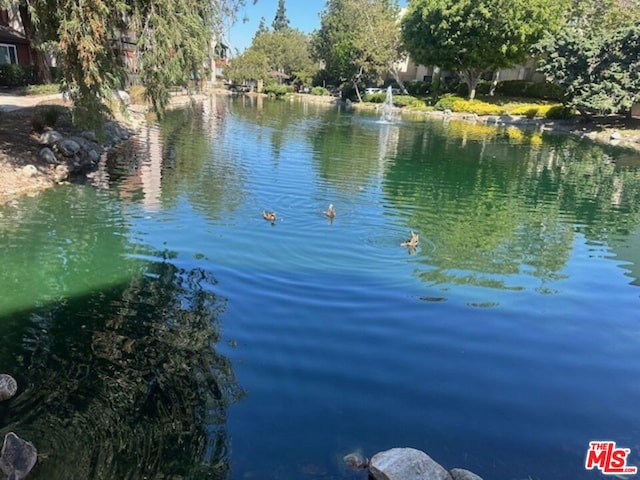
point(19, 147)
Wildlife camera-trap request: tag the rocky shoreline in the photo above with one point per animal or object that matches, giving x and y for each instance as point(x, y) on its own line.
point(612, 130)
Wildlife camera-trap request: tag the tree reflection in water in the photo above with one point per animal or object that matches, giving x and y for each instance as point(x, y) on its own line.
point(125, 382)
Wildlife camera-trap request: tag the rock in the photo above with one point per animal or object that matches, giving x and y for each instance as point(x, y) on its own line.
point(447, 112)
point(47, 155)
point(356, 460)
point(29, 171)
point(122, 96)
point(17, 457)
point(94, 156)
point(89, 135)
point(8, 387)
point(615, 136)
point(406, 464)
point(68, 147)
point(85, 144)
point(50, 137)
point(110, 130)
point(462, 474)
point(61, 173)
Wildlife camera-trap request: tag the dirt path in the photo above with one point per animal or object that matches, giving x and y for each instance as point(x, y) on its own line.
point(10, 102)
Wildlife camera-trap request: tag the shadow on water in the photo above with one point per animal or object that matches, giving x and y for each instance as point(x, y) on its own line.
point(112, 343)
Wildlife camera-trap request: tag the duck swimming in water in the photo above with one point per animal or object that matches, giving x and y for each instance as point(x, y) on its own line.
point(331, 212)
point(412, 242)
point(269, 216)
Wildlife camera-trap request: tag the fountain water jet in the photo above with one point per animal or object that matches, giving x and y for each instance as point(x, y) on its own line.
point(388, 114)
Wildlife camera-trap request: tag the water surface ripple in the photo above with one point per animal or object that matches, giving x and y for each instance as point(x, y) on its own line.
point(161, 328)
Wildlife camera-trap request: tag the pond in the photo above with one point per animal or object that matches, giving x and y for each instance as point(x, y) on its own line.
point(159, 327)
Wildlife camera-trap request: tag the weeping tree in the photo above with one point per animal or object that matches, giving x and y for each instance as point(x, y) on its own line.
point(173, 42)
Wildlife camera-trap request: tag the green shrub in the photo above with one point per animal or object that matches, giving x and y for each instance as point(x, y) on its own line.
point(559, 112)
point(320, 91)
point(476, 106)
point(482, 88)
point(417, 87)
point(48, 116)
point(42, 89)
point(277, 90)
point(528, 110)
point(14, 75)
point(446, 102)
point(529, 89)
point(402, 100)
point(375, 97)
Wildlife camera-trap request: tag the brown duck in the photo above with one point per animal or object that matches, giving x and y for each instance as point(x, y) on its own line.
point(331, 212)
point(269, 215)
point(412, 242)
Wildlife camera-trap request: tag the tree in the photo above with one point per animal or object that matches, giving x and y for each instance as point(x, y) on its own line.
point(600, 74)
point(595, 57)
point(251, 65)
point(358, 39)
point(262, 28)
point(287, 51)
point(602, 16)
point(172, 42)
point(280, 22)
point(473, 36)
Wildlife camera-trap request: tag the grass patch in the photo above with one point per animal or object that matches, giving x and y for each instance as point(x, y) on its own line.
point(137, 93)
point(50, 89)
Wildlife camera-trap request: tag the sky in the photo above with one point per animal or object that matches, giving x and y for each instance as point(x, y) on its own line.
point(303, 15)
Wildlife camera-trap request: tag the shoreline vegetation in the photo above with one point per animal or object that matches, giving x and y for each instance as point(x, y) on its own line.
point(24, 170)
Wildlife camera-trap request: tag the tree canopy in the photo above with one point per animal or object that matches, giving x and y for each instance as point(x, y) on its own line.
point(600, 74)
point(473, 36)
point(358, 39)
point(595, 56)
point(285, 50)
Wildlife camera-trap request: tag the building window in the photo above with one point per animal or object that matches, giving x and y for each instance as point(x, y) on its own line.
point(8, 54)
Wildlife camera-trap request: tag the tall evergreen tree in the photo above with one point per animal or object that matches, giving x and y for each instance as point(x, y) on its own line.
point(280, 22)
point(262, 28)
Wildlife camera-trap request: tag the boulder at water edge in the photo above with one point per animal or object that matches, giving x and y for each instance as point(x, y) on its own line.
point(462, 474)
point(406, 464)
point(8, 387)
point(17, 457)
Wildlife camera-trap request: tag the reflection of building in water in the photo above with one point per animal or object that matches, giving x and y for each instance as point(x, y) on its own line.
point(214, 110)
point(144, 181)
point(151, 168)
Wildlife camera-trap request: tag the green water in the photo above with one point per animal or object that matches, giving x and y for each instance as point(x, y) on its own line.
point(159, 327)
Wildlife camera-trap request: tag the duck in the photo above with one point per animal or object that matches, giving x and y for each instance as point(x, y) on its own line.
point(412, 242)
point(331, 212)
point(269, 215)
